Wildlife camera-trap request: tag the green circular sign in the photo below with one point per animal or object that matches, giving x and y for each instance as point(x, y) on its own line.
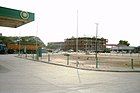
point(24, 15)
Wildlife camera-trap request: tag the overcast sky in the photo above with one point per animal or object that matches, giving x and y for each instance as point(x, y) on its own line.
point(55, 20)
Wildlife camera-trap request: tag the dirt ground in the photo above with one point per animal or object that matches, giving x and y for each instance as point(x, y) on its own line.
point(88, 61)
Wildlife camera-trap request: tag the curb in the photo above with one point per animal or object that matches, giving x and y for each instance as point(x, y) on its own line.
point(101, 70)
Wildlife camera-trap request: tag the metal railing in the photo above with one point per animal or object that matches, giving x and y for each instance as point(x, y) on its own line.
point(106, 60)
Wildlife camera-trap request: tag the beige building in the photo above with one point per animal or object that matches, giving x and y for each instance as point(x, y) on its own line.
point(85, 44)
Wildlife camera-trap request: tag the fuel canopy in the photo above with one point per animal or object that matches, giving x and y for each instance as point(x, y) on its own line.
point(14, 18)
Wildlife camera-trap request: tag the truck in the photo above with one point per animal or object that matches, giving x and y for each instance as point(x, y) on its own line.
point(3, 49)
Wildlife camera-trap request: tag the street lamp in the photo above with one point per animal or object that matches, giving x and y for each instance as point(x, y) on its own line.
point(85, 44)
point(36, 38)
point(96, 57)
point(77, 63)
point(18, 40)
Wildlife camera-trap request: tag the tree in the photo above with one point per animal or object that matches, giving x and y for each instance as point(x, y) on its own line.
point(124, 42)
point(5, 40)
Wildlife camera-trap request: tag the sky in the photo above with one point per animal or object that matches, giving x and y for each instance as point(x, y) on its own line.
point(56, 20)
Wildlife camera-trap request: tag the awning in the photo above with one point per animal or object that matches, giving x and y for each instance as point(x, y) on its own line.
point(14, 18)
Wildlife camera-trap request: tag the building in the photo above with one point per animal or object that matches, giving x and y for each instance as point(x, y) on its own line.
point(123, 48)
point(13, 18)
point(26, 43)
point(85, 44)
point(55, 45)
point(137, 49)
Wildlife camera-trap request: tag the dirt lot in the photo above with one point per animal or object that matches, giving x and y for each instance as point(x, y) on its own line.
point(88, 61)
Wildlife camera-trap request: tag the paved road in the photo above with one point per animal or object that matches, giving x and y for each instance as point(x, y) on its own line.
point(26, 76)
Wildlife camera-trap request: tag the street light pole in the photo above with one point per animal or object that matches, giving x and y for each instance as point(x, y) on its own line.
point(96, 57)
point(37, 58)
point(19, 46)
point(85, 44)
point(77, 63)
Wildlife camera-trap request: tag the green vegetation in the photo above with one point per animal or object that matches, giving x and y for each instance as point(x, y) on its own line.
point(5, 40)
point(26, 40)
point(124, 42)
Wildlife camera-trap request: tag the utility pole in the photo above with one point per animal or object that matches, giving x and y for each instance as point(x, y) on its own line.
point(86, 44)
point(37, 58)
point(19, 46)
point(96, 57)
point(77, 63)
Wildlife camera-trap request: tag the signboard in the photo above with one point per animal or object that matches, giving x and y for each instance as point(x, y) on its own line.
point(14, 18)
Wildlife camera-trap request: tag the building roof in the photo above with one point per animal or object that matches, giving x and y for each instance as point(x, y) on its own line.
point(14, 18)
point(123, 48)
point(88, 38)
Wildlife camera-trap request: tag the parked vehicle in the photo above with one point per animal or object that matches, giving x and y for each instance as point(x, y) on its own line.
point(3, 49)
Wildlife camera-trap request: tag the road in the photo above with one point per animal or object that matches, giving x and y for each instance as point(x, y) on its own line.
point(26, 76)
